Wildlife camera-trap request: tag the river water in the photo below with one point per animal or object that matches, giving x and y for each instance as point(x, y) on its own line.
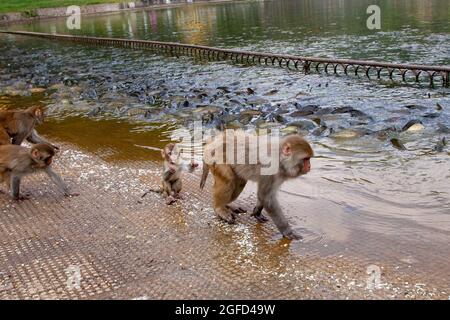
point(365, 194)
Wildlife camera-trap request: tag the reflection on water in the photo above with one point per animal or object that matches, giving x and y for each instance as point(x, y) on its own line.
point(415, 30)
point(114, 102)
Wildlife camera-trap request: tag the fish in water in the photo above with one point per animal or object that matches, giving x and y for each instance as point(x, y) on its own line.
point(304, 124)
point(343, 110)
point(271, 92)
point(398, 144)
point(443, 128)
point(224, 89)
point(432, 115)
point(413, 126)
point(440, 145)
point(348, 134)
point(416, 107)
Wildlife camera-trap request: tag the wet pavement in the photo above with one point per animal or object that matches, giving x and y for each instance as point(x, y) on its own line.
point(376, 199)
point(130, 247)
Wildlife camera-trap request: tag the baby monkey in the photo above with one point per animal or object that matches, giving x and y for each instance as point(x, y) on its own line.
point(17, 162)
point(172, 172)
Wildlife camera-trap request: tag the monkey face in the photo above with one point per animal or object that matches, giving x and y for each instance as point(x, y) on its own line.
point(39, 116)
point(171, 154)
point(175, 156)
point(42, 155)
point(43, 161)
point(305, 165)
point(295, 162)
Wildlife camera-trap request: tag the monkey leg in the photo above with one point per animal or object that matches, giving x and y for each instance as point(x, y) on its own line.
point(15, 189)
point(176, 189)
point(166, 188)
point(167, 192)
point(257, 213)
point(6, 178)
point(2, 179)
point(170, 200)
point(223, 191)
point(4, 137)
point(238, 187)
point(267, 197)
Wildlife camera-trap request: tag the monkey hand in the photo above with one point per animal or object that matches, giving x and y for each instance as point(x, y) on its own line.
point(172, 168)
point(292, 235)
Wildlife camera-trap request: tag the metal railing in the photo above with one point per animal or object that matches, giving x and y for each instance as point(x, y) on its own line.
point(371, 69)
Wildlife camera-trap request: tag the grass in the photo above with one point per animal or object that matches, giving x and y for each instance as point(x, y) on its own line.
point(29, 5)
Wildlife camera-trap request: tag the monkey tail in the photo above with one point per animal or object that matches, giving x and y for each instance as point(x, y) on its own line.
point(160, 190)
point(204, 175)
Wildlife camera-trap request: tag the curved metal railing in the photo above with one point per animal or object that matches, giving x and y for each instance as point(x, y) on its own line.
point(371, 69)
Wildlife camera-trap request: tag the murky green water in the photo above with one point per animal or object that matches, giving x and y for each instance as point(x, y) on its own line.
point(412, 30)
point(362, 181)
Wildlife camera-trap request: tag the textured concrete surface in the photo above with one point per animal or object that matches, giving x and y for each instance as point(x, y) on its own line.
point(130, 247)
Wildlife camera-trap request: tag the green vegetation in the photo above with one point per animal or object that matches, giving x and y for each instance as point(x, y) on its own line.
point(28, 6)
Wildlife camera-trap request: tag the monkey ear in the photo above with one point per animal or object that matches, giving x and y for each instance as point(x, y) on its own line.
point(286, 149)
point(163, 153)
point(38, 113)
point(35, 154)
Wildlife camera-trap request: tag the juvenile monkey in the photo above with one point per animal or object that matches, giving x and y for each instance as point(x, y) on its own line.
point(17, 162)
point(172, 172)
point(290, 154)
point(19, 125)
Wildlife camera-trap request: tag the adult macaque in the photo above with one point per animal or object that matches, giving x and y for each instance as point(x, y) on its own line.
point(171, 176)
point(18, 125)
point(17, 162)
point(234, 158)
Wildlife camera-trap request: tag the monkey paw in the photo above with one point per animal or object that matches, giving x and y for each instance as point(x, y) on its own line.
point(292, 235)
point(236, 209)
point(170, 200)
point(70, 195)
point(226, 215)
point(22, 198)
point(179, 196)
point(260, 218)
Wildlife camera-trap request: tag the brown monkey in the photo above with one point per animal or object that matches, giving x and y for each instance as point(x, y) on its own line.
point(171, 176)
point(290, 157)
point(17, 162)
point(18, 125)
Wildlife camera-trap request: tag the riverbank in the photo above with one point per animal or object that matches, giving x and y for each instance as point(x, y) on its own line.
point(27, 11)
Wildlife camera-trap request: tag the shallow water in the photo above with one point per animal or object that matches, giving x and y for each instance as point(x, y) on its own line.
point(116, 102)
